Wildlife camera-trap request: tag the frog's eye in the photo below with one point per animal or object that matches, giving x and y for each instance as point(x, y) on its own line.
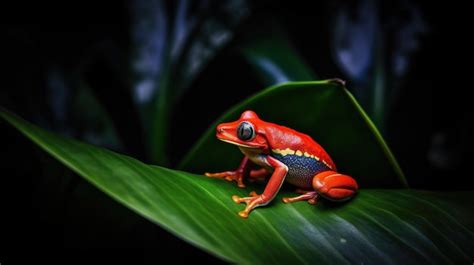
point(245, 131)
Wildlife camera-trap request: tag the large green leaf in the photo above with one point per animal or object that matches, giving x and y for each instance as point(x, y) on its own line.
point(326, 111)
point(377, 226)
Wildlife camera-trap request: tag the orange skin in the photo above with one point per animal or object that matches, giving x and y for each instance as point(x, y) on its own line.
point(288, 156)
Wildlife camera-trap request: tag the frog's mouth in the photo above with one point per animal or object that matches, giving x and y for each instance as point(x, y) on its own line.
point(238, 144)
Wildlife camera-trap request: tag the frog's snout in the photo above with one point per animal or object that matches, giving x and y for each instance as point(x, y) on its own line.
point(224, 129)
point(220, 129)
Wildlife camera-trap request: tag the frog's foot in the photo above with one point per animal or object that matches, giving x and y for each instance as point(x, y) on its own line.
point(253, 201)
point(237, 175)
point(310, 196)
point(238, 199)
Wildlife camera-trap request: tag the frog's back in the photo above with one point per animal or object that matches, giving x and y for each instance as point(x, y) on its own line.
point(304, 157)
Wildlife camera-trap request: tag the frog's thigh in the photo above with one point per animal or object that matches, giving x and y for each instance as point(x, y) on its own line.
point(334, 186)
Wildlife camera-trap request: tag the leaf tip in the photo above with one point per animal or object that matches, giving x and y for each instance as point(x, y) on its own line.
point(337, 81)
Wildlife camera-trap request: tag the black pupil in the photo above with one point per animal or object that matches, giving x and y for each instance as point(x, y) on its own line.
point(245, 131)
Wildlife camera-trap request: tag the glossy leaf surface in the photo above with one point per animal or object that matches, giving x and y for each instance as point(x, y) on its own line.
point(376, 227)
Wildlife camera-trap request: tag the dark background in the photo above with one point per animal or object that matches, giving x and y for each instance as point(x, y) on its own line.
point(51, 211)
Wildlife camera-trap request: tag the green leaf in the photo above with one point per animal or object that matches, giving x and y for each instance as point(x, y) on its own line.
point(323, 109)
point(377, 226)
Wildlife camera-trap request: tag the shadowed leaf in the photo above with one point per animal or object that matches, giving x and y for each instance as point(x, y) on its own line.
point(322, 109)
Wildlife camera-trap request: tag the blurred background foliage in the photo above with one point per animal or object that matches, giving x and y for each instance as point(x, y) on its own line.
point(146, 78)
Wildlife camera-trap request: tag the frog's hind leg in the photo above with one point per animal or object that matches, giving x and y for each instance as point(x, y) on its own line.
point(310, 196)
point(328, 184)
point(335, 186)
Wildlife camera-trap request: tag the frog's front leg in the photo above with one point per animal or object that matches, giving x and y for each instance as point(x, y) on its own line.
point(270, 191)
point(259, 173)
point(237, 175)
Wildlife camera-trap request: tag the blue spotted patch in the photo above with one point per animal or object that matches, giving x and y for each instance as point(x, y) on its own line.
point(301, 169)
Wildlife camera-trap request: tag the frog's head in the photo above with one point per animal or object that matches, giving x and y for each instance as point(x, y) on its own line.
point(248, 131)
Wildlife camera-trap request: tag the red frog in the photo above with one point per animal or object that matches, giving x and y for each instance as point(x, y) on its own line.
point(286, 155)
